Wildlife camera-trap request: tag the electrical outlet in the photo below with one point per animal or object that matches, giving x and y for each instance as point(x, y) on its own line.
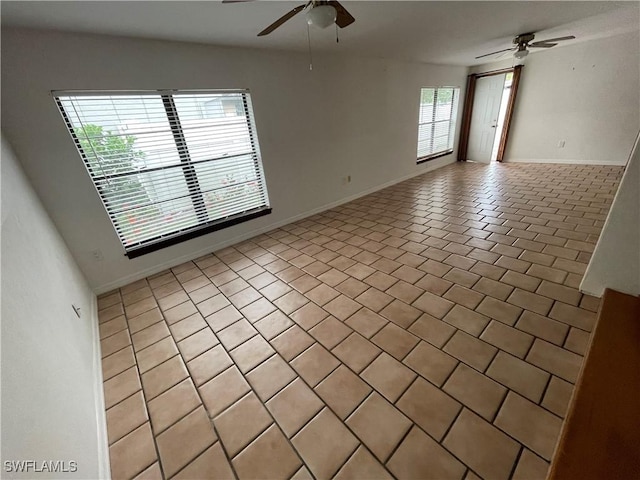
point(97, 255)
point(346, 180)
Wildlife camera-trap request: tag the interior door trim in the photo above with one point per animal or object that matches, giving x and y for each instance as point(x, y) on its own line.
point(468, 110)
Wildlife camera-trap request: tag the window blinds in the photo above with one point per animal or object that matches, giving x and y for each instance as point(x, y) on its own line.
point(437, 120)
point(168, 163)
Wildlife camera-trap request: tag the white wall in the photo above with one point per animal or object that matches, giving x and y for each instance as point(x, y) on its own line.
point(52, 404)
point(587, 94)
point(615, 262)
point(348, 116)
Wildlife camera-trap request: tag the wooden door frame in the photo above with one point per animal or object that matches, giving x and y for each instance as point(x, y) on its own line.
point(468, 110)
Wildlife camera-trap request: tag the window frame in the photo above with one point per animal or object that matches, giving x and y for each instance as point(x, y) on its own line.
point(453, 119)
point(204, 225)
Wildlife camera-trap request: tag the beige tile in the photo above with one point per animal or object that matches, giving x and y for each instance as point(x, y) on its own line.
point(322, 294)
point(530, 467)
point(507, 338)
point(519, 376)
point(184, 441)
point(380, 280)
point(273, 324)
point(172, 405)
point(433, 305)
point(557, 397)
point(419, 456)
point(463, 296)
point(179, 312)
point(210, 465)
point(236, 334)
point(470, 350)
point(526, 422)
point(223, 390)
point(356, 352)
point(400, 313)
point(466, 320)
point(542, 327)
point(482, 447)
point(149, 336)
point(405, 291)
point(366, 322)
point(163, 377)
point(294, 406)
point(197, 343)
point(388, 376)
point(555, 360)
point(374, 299)
point(121, 386)
point(145, 320)
point(270, 376)
point(269, 456)
point(330, 332)
point(342, 391)
point(577, 341)
point(395, 340)
point(576, 317)
point(206, 366)
point(126, 416)
point(325, 444)
point(499, 310)
point(188, 326)
point(240, 424)
point(133, 453)
point(430, 408)
point(362, 465)
point(212, 305)
point(151, 473)
point(432, 330)
point(530, 301)
point(275, 290)
point(172, 300)
point(156, 354)
point(342, 307)
point(258, 309)
point(559, 292)
point(110, 327)
point(141, 306)
point(432, 363)
point(306, 282)
point(203, 293)
point(314, 364)
point(475, 391)
point(244, 297)
point(520, 280)
point(492, 288)
point(309, 316)
point(251, 353)
point(379, 425)
point(351, 287)
point(292, 342)
point(117, 363)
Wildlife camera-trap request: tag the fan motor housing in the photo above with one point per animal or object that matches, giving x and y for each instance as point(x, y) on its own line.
point(523, 38)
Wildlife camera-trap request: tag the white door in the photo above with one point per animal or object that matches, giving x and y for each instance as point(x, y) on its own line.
point(484, 117)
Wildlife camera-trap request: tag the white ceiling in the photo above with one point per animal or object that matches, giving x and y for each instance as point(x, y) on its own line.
point(447, 32)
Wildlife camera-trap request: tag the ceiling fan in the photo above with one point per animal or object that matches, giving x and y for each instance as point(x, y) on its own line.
point(320, 13)
point(523, 42)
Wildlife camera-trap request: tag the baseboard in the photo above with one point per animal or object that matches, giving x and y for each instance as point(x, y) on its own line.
point(104, 466)
point(267, 228)
point(568, 161)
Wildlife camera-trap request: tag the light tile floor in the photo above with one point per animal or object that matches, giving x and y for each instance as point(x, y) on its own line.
point(429, 330)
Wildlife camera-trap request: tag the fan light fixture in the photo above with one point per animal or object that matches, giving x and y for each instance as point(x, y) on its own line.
point(520, 54)
point(321, 16)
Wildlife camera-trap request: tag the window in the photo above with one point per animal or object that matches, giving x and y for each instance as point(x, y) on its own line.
point(169, 165)
point(437, 121)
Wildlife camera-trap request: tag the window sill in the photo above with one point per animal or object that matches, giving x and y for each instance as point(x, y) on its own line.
point(434, 156)
point(197, 231)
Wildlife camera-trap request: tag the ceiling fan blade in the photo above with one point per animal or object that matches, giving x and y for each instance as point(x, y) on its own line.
point(542, 45)
point(499, 51)
point(281, 20)
point(343, 17)
point(558, 39)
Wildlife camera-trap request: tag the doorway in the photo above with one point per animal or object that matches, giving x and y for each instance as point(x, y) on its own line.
point(487, 115)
